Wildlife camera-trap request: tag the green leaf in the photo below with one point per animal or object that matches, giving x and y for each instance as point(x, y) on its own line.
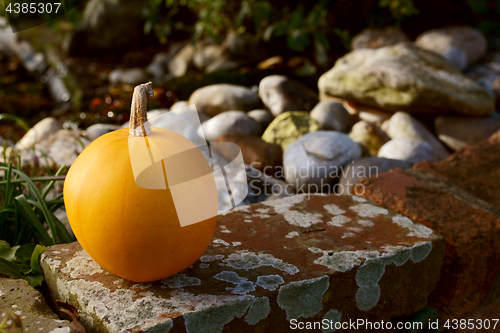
point(35, 280)
point(35, 264)
point(24, 252)
point(34, 220)
point(10, 269)
point(7, 252)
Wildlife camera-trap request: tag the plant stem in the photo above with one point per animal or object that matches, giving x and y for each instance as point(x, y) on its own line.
point(138, 117)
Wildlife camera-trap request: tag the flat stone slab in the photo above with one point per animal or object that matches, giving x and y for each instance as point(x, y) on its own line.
point(21, 301)
point(304, 258)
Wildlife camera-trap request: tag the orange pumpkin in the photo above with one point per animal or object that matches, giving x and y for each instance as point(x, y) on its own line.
point(131, 231)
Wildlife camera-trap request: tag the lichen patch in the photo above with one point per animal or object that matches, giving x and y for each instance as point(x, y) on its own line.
point(416, 229)
point(269, 282)
point(181, 280)
point(81, 264)
point(259, 310)
point(303, 298)
point(368, 210)
point(292, 234)
point(338, 221)
point(334, 209)
point(248, 260)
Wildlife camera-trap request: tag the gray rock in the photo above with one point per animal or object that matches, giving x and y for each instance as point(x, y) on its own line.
point(263, 117)
point(131, 76)
point(280, 94)
point(461, 46)
point(40, 131)
point(230, 122)
point(96, 130)
point(486, 72)
point(332, 115)
point(178, 105)
point(373, 38)
point(312, 162)
point(224, 63)
point(410, 150)
point(403, 125)
point(404, 78)
point(182, 61)
point(206, 55)
point(457, 132)
point(158, 67)
point(217, 98)
point(369, 136)
point(244, 46)
point(366, 167)
point(61, 148)
point(19, 299)
point(107, 26)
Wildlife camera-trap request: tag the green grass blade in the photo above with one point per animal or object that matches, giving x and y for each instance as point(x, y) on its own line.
point(18, 120)
point(49, 186)
point(62, 231)
point(34, 221)
point(32, 187)
point(35, 179)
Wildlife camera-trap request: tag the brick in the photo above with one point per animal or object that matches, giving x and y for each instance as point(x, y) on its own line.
point(19, 299)
point(301, 257)
point(469, 225)
point(474, 168)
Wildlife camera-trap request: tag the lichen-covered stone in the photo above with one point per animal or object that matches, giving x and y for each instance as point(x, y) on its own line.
point(405, 78)
point(268, 263)
point(19, 299)
point(288, 127)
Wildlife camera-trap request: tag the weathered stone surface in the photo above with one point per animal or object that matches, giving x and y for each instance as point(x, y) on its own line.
point(217, 98)
point(230, 122)
point(461, 46)
point(469, 225)
point(300, 257)
point(366, 167)
point(474, 169)
point(280, 94)
point(332, 115)
point(404, 78)
point(288, 127)
point(18, 298)
point(458, 132)
point(261, 155)
point(374, 38)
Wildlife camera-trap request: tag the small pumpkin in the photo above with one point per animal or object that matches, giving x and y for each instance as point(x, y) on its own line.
point(132, 231)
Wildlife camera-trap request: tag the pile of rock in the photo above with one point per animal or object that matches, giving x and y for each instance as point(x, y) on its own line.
point(388, 103)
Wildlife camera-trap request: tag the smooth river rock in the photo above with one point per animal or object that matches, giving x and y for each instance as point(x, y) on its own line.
point(313, 162)
point(461, 45)
point(217, 98)
point(280, 94)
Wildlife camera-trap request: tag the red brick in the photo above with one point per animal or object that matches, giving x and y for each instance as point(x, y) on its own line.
point(471, 232)
point(475, 168)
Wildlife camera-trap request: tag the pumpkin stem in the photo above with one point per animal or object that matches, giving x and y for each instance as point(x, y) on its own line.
point(138, 118)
